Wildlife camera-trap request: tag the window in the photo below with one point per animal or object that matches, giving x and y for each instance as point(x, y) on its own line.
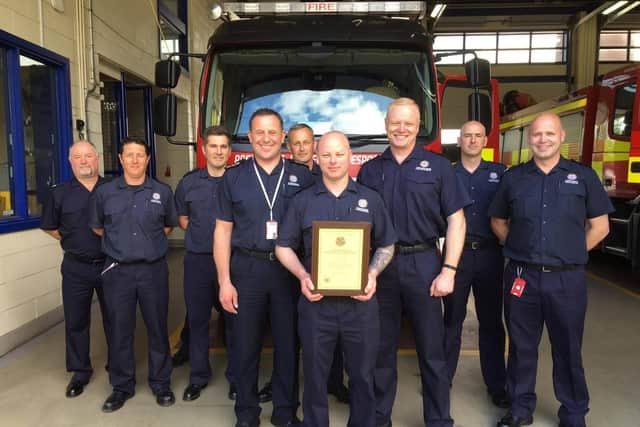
point(623, 111)
point(35, 130)
point(173, 30)
point(619, 46)
point(511, 147)
point(573, 125)
point(525, 47)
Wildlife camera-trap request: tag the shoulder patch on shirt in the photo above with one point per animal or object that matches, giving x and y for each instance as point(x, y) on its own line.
point(572, 178)
point(363, 206)
point(155, 198)
point(494, 177)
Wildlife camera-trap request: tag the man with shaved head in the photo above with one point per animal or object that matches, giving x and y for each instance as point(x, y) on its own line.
point(322, 321)
point(549, 212)
point(65, 217)
point(480, 267)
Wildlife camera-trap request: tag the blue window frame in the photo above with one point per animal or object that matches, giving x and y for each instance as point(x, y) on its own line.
point(173, 35)
point(35, 129)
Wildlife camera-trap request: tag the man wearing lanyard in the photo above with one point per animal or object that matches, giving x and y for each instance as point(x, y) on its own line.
point(253, 199)
point(133, 214)
point(425, 201)
point(324, 321)
point(480, 267)
point(196, 200)
point(549, 212)
point(65, 217)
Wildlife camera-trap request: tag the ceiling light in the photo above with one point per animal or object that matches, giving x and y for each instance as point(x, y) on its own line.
point(617, 5)
point(438, 10)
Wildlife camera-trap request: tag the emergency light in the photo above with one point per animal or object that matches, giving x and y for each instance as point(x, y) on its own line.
point(413, 9)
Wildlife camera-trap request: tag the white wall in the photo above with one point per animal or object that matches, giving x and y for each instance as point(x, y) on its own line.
point(125, 39)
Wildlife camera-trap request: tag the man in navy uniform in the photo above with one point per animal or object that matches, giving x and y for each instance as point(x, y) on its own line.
point(425, 201)
point(66, 218)
point(323, 321)
point(302, 144)
point(480, 267)
point(133, 214)
point(253, 199)
point(196, 200)
point(549, 212)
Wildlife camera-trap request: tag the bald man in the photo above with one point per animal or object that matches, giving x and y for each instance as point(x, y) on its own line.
point(65, 218)
point(549, 212)
point(325, 320)
point(480, 267)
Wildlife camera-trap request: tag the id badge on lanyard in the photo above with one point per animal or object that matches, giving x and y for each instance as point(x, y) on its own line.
point(271, 226)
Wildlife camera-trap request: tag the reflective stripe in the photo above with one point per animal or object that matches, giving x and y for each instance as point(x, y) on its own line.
point(634, 177)
point(487, 154)
point(575, 105)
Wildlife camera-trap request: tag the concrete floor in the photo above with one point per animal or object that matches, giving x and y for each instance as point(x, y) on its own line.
point(33, 379)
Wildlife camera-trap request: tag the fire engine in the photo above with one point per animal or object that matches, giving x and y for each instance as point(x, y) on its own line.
point(331, 65)
point(603, 131)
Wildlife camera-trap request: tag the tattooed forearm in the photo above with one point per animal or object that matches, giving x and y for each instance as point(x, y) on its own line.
point(381, 258)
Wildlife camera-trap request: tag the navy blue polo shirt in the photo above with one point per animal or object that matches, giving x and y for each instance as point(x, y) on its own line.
point(196, 197)
point(419, 194)
point(242, 201)
point(315, 170)
point(547, 212)
point(133, 219)
point(481, 185)
point(67, 210)
point(356, 203)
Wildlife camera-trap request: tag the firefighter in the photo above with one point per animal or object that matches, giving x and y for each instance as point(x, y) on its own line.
point(65, 217)
point(302, 144)
point(196, 199)
point(425, 200)
point(324, 321)
point(548, 212)
point(133, 214)
point(252, 203)
point(480, 267)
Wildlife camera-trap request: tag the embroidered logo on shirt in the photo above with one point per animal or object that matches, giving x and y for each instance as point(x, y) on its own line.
point(155, 198)
point(493, 177)
point(293, 180)
point(572, 178)
point(362, 206)
point(424, 166)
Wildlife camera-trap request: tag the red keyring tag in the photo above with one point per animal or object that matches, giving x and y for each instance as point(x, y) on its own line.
point(518, 287)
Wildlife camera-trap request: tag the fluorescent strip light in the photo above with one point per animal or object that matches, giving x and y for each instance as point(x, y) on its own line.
point(438, 9)
point(628, 8)
point(614, 7)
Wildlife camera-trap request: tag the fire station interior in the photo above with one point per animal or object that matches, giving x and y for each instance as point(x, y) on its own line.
point(33, 376)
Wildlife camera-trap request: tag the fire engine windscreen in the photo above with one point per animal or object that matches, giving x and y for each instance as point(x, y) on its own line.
point(329, 88)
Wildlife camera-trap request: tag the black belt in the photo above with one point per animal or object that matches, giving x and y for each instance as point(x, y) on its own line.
point(547, 268)
point(475, 243)
point(404, 249)
point(266, 255)
point(85, 259)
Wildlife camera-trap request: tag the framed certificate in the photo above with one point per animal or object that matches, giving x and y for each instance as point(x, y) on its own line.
point(340, 257)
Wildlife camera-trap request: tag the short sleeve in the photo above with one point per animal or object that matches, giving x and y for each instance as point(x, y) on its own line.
point(182, 208)
point(598, 202)
point(499, 207)
point(290, 233)
point(383, 232)
point(453, 195)
point(170, 215)
point(96, 209)
point(50, 219)
point(225, 205)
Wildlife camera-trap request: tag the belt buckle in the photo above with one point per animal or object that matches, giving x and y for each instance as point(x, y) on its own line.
point(546, 269)
point(272, 256)
point(475, 245)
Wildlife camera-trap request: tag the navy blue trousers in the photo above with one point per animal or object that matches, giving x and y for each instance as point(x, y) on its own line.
point(79, 281)
point(405, 284)
point(480, 270)
point(201, 293)
point(559, 301)
point(125, 286)
point(322, 325)
point(264, 288)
